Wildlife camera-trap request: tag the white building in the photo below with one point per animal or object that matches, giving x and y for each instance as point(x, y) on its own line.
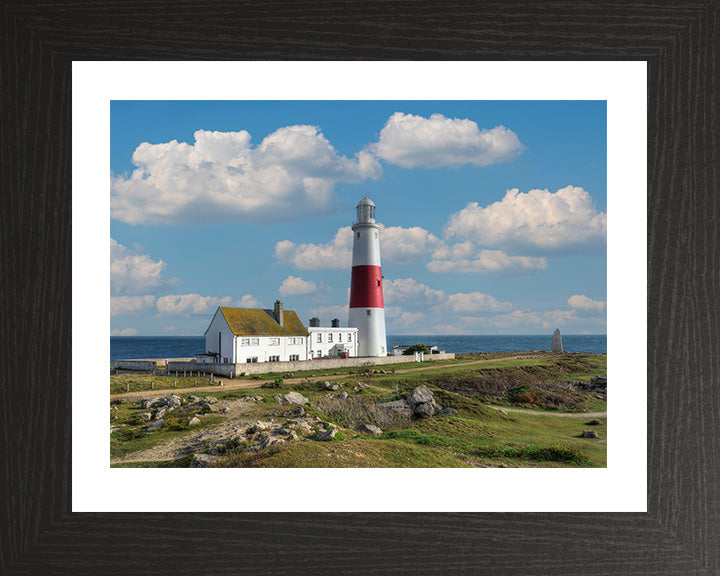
point(331, 341)
point(240, 335)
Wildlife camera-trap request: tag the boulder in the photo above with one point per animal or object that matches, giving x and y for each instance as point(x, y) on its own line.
point(341, 396)
point(325, 435)
point(295, 398)
point(277, 399)
point(419, 395)
point(202, 460)
point(447, 412)
point(192, 399)
point(325, 385)
point(172, 401)
point(589, 434)
point(151, 403)
point(160, 412)
point(369, 429)
point(210, 399)
point(593, 423)
point(556, 345)
point(194, 421)
point(145, 416)
point(259, 426)
point(155, 425)
point(424, 410)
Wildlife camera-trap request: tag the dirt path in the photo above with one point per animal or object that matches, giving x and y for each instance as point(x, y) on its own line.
point(228, 384)
point(561, 414)
point(239, 417)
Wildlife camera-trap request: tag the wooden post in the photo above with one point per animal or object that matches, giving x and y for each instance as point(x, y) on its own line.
point(175, 385)
point(151, 385)
point(127, 386)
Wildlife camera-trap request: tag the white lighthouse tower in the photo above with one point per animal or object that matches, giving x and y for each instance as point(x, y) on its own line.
point(367, 313)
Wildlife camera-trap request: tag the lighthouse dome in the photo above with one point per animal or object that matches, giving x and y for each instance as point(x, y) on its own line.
point(366, 211)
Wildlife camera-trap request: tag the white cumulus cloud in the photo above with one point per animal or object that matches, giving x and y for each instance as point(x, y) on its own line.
point(222, 177)
point(581, 302)
point(133, 273)
point(410, 291)
point(410, 141)
point(476, 302)
point(296, 286)
point(120, 305)
point(483, 262)
point(538, 219)
point(124, 332)
point(398, 246)
point(194, 304)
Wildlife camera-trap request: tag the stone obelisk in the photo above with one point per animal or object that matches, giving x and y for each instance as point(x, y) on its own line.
point(557, 341)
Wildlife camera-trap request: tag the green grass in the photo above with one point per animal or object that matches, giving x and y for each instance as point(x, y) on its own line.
point(476, 436)
point(120, 383)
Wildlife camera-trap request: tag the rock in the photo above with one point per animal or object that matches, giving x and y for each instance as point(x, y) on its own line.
point(419, 395)
point(369, 429)
point(203, 460)
point(297, 413)
point(288, 375)
point(448, 412)
point(342, 396)
point(556, 341)
point(194, 421)
point(145, 416)
point(325, 385)
point(259, 399)
point(210, 399)
point(589, 434)
point(335, 387)
point(361, 385)
point(295, 398)
point(151, 403)
point(210, 407)
point(114, 429)
point(593, 423)
point(424, 410)
point(172, 401)
point(599, 397)
point(155, 425)
point(192, 399)
point(400, 407)
point(277, 399)
point(325, 435)
point(259, 426)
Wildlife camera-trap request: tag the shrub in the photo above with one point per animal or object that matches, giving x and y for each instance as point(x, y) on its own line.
point(275, 384)
point(522, 395)
point(553, 453)
point(410, 350)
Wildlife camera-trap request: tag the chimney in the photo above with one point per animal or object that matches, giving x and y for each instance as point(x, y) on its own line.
point(279, 316)
point(336, 323)
point(314, 322)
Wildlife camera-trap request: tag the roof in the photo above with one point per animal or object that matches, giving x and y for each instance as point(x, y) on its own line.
point(366, 202)
point(261, 322)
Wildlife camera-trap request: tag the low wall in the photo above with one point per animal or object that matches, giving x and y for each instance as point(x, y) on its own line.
point(135, 365)
point(317, 364)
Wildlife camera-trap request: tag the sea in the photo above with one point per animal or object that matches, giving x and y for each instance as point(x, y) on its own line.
point(128, 347)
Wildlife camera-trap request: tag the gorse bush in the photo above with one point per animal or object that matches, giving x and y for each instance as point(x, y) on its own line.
point(274, 384)
point(410, 350)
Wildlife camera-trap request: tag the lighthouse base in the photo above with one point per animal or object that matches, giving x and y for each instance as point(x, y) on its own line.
point(370, 323)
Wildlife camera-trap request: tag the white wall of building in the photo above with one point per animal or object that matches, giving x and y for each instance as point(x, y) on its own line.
point(226, 340)
point(266, 347)
point(333, 340)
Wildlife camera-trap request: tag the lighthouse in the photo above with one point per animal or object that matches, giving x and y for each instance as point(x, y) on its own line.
point(367, 313)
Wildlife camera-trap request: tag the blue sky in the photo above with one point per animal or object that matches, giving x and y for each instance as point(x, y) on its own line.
point(494, 212)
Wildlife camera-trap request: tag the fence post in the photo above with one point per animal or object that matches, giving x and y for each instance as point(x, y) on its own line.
point(151, 385)
point(127, 386)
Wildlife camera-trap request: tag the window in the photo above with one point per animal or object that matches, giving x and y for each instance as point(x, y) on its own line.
point(252, 360)
point(274, 359)
point(368, 312)
point(340, 337)
point(319, 337)
point(254, 341)
point(244, 341)
point(349, 337)
point(274, 341)
point(330, 338)
point(294, 357)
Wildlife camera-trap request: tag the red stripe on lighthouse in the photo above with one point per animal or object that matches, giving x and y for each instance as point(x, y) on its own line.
point(366, 287)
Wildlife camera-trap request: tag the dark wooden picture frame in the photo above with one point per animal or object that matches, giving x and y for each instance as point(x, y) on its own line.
point(680, 533)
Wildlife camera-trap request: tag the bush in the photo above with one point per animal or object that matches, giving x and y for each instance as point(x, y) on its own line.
point(410, 350)
point(522, 395)
point(553, 453)
point(275, 384)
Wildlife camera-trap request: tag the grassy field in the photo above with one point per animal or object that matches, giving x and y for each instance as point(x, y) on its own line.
point(478, 436)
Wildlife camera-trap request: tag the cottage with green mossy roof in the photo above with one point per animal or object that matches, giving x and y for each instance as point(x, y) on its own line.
point(238, 335)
